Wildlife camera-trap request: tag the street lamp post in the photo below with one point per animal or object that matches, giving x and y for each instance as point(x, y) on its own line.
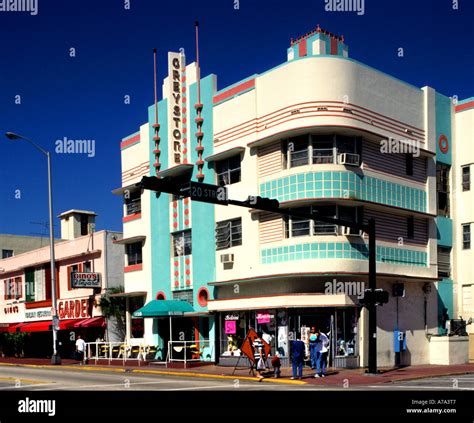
point(55, 359)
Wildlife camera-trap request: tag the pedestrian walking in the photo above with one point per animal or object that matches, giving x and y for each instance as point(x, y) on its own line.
point(276, 363)
point(312, 340)
point(297, 358)
point(80, 349)
point(322, 347)
point(259, 355)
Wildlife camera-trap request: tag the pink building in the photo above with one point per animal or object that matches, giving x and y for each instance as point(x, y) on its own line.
point(83, 258)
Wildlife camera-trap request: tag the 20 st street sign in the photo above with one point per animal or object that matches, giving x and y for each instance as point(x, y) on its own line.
point(206, 193)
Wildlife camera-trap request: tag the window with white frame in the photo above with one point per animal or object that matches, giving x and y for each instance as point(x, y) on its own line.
point(321, 149)
point(295, 226)
point(228, 233)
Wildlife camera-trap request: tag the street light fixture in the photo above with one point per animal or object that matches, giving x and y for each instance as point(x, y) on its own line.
point(55, 359)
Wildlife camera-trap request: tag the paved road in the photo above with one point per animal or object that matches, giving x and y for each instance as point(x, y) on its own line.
point(51, 379)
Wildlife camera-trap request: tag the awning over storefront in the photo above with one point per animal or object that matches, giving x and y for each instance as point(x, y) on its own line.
point(93, 322)
point(15, 327)
point(281, 301)
point(37, 326)
point(164, 308)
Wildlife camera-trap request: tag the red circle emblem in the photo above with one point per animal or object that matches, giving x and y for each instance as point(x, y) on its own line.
point(443, 144)
point(203, 297)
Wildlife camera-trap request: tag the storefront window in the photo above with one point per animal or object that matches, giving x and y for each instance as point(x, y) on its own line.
point(346, 330)
point(233, 331)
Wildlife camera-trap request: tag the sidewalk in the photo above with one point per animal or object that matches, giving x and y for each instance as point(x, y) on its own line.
point(335, 377)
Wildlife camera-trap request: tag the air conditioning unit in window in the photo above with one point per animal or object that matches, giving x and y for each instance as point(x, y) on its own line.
point(227, 258)
point(348, 159)
point(348, 231)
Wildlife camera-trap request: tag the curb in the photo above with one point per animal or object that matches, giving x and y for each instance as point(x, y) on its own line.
point(159, 372)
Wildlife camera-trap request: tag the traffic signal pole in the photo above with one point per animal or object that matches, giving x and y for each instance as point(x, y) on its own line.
point(372, 307)
point(218, 195)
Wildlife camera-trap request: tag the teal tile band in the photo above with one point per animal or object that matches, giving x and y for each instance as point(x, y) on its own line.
point(342, 250)
point(344, 184)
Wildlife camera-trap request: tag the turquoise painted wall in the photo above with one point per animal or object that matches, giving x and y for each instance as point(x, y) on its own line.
point(202, 214)
point(445, 300)
point(443, 127)
point(344, 184)
point(444, 229)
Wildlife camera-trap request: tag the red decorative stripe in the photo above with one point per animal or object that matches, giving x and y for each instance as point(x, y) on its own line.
point(130, 141)
point(133, 268)
point(302, 48)
point(465, 106)
point(131, 217)
point(334, 46)
point(234, 91)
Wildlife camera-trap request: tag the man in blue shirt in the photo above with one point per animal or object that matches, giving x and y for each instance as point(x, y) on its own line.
point(297, 357)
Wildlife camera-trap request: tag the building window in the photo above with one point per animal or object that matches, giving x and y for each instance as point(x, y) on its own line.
point(442, 185)
point(466, 178)
point(134, 253)
point(409, 164)
point(228, 171)
point(298, 151)
point(444, 262)
point(185, 295)
point(87, 267)
point(133, 203)
point(466, 237)
point(323, 149)
point(295, 226)
point(410, 227)
point(7, 253)
point(12, 288)
point(182, 243)
point(84, 222)
point(38, 283)
point(228, 233)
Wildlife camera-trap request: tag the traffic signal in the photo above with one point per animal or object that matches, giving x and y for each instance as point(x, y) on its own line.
point(399, 290)
point(381, 297)
point(377, 297)
point(368, 298)
point(262, 203)
point(167, 184)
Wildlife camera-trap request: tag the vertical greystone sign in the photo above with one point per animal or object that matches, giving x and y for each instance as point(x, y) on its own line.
point(176, 61)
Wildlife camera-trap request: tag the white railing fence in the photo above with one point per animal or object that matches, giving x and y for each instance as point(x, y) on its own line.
point(189, 351)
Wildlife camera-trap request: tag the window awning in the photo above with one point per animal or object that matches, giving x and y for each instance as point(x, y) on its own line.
point(225, 154)
point(164, 308)
point(131, 240)
point(177, 170)
point(129, 294)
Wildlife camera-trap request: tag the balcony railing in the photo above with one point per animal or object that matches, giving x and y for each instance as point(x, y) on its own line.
point(323, 155)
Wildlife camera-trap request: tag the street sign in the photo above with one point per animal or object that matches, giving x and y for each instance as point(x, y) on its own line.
point(85, 280)
point(207, 193)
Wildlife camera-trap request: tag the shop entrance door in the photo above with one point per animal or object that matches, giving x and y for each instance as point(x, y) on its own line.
point(163, 338)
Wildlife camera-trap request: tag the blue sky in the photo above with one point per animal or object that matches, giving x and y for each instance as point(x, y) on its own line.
point(82, 97)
